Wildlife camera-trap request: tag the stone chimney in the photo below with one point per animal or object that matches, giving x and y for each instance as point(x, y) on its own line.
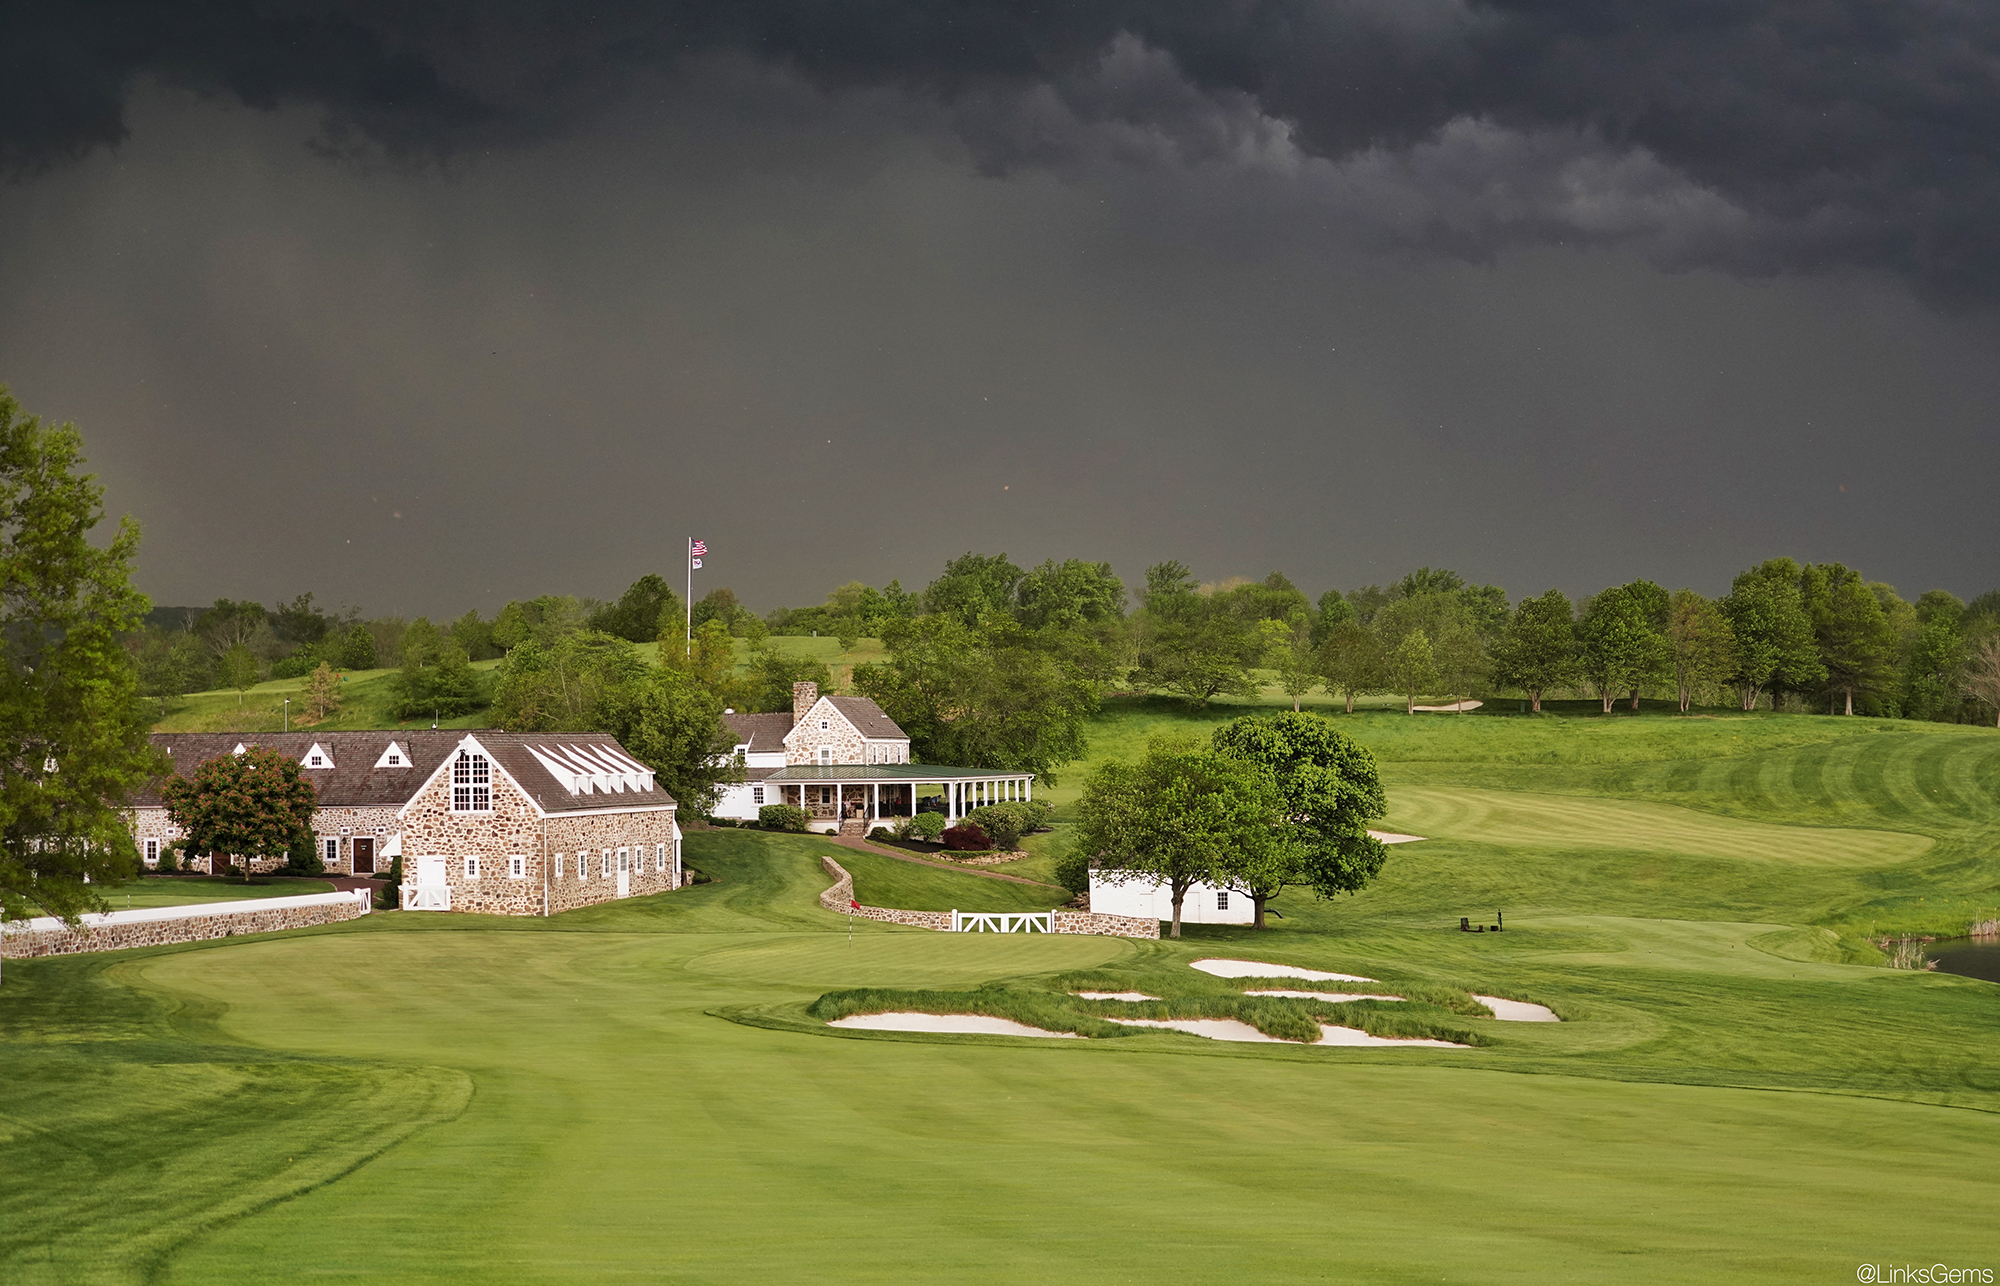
point(804, 695)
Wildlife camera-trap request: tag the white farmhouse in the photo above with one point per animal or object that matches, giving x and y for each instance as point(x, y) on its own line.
point(847, 763)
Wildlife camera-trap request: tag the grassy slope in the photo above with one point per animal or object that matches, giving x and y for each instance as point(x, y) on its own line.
point(1625, 1144)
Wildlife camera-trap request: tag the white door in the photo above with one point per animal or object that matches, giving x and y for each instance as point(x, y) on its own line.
point(433, 893)
point(624, 874)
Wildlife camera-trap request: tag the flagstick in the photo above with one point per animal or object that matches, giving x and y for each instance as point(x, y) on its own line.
point(690, 598)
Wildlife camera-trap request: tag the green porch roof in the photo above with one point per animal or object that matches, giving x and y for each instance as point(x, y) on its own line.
point(919, 773)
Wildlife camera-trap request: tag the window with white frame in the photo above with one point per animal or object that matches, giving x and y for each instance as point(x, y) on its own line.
point(152, 852)
point(824, 725)
point(659, 857)
point(826, 754)
point(558, 865)
point(1221, 900)
point(517, 867)
point(757, 795)
point(607, 863)
point(471, 868)
point(471, 783)
point(332, 846)
point(582, 865)
point(317, 761)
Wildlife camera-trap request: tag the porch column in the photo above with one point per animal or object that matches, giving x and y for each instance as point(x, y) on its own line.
point(1027, 788)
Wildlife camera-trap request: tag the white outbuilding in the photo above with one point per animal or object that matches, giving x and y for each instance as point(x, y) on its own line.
point(1203, 904)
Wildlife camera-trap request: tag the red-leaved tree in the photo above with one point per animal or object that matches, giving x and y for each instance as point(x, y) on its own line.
point(250, 805)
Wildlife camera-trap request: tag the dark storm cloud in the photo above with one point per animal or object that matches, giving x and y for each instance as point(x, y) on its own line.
point(1755, 137)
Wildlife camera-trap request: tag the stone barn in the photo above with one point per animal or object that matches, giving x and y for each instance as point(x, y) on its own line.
point(499, 822)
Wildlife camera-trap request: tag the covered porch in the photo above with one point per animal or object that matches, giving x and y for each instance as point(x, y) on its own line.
point(872, 793)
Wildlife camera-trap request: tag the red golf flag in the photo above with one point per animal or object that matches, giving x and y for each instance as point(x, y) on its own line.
point(852, 903)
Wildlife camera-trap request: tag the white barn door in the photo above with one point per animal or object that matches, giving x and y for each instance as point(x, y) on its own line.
point(624, 873)
point(433, 891)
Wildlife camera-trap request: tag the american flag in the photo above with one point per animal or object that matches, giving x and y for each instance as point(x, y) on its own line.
point(698, 548)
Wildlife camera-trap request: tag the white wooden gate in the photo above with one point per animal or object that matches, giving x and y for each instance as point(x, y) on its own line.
point(1003, 922)
point(430, 892)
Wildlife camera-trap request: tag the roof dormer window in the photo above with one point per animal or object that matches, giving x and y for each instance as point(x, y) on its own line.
point(318, 757)
point(394, 757)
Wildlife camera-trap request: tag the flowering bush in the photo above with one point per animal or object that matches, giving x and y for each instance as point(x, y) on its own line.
point(966, 837)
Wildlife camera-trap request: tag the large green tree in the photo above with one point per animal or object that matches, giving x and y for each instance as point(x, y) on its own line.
point(1537, 650)
point(1700, 643)
point(1070, 594)
point(69, 699)
point(1775, 649)
point(994, 695)
point(256, 804)
point(974, 586)
point(1192, 644)
point(649, 609)
point(1328, 791)
point(1458, 658)
point(589, 681)
point(1857, 644)
point(1934, 676)
point(1350, 658)
point(1411, 667)
point(1174, 817)
point(1621, 643)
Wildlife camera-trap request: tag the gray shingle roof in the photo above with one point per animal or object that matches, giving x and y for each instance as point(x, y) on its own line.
point(355, 782)
point(919, 773)
point(765, 733)
point(869, 719)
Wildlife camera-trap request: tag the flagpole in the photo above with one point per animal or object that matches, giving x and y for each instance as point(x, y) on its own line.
point(690, 598)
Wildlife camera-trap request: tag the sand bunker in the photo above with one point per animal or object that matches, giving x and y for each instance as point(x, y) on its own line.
point(1256, 969)
point(1231, 1029)
point(1331, 997)
point(1518, 1011)
point(1114, 995)
point(956, 1024)
point(1391, 837)
point(1456, 707)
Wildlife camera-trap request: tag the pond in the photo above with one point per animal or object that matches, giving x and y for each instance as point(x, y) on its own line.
point(1969, 957)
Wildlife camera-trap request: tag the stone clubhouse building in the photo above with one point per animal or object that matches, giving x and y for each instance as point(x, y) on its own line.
point(847, 764)
point(498, 822)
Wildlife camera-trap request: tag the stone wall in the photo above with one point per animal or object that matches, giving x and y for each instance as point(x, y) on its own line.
point(841, 896)
point(595, 832)
point(1109, 926)
point(120, 930)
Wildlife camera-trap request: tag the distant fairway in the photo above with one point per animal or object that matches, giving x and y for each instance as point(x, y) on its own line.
point(1567, 822)
point(633, 1091)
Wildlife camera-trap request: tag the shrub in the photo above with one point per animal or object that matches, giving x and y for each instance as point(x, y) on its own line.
point(1004, 822)
point(967, 837)
point(169, 862)
point(1073, 871)
point(881, 833)
point(928, 825)
point(782, 817)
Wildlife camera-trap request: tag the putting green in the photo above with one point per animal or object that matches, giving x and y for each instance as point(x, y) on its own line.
point(1522, 819)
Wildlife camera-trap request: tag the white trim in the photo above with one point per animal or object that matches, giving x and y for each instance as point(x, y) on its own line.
point(329, 847)
point(306, 759)
point(517, 867)
point(472, 868)
point(400, 752)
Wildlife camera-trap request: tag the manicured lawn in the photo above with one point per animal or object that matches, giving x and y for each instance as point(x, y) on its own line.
point(366, 700)
point(636, 1092)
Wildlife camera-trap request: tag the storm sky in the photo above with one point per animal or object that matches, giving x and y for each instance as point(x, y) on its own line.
point(424, 311)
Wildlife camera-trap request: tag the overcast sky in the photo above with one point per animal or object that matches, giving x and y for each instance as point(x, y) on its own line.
point(424, 313)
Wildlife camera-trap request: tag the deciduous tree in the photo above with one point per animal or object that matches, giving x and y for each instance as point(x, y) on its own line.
point(70, 711)
point(322, 695)
point(1775, 650)
point(1620, 646)
point(1328, 791)
point(237, 669)
point(1412, 667)
point(1982, 674)
point(251, 805)
point(1700, 642)
point(1538, 649)
point(1175, 815)
point(1856, 642)
point(1350, 656)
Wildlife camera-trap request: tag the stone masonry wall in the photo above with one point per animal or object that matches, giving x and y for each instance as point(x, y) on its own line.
point(514, 827)
point(200, 928)
point(849, 746)
point(841, 895)
point(1109, 926)
point(595, 832)
point(328, 823)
